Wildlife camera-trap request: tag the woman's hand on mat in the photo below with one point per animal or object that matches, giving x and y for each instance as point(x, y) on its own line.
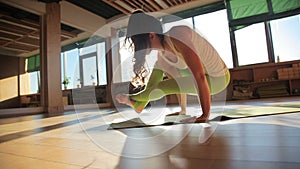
point(202, 119)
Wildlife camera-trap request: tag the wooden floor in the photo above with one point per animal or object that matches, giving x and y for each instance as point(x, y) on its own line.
point(82, 140)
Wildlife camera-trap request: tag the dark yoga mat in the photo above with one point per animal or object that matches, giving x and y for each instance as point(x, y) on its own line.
point(174, 120)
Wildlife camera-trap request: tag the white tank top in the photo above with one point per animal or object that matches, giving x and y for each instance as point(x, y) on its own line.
point(213, 64)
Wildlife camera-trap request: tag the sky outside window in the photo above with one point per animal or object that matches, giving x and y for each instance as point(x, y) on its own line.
point(251, 45)
point(286, 38)
point(214, 27)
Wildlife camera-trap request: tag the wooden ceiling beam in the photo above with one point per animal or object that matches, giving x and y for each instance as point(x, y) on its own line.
point(32, 41)
point(162, 4)
point(14, 29)
point(9, 35)
point(19, 38)
point(23, 23)
point(171, 3)
point(154, 5)
point(118, 7)
point(27, 44)
point(146, 5)
point(14, 49)
point(133, 4)
point(68, 34)
point(124, 5)
point(20, 46)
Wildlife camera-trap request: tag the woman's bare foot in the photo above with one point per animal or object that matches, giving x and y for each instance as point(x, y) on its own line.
point(124, 99)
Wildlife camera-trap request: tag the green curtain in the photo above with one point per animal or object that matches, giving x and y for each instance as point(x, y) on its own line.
point(246, 8)
point(33, 63)
point(245, 12)
point(284, 5)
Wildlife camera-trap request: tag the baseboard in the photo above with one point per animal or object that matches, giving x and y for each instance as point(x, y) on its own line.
point(21, 111)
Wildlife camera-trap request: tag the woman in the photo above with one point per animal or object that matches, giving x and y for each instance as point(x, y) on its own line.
point(191, 63)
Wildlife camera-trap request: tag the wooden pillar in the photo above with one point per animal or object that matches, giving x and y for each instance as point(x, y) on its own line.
point(109, 72)
point(51, 93)
point(112, 48)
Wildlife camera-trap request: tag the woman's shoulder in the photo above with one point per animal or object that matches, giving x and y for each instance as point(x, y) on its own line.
point(180, 31)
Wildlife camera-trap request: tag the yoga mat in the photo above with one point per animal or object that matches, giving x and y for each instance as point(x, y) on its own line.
point(137, 122)
point(227, 114)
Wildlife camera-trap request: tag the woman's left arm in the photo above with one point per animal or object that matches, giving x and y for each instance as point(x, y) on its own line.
point(182, 41)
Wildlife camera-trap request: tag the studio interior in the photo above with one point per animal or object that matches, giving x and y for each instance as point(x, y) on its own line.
point(63, 62)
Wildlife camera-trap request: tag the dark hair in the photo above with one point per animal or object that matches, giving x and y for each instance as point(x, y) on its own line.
point(139, 27)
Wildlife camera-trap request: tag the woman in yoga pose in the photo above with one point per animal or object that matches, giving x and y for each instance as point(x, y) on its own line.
point(192, 65)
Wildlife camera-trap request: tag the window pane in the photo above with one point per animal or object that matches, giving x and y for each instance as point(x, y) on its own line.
point(126, 63)
point(88, 49)
point(214, 27)
point(29, 83)
point(101, 63)
point(62, 66)
point(89, 71)
point(34, 82)
point(285, 34)
point(251, 44)
point(70, 68)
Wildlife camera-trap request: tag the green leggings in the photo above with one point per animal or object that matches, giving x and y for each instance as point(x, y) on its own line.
point(157, 87)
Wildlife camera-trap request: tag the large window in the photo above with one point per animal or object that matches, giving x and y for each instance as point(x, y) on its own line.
point(251, 45)
point(85, 66)
point(258, 33)
point(214, 27)
point(286, 41)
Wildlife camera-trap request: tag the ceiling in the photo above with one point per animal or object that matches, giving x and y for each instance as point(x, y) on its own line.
point(20, 28)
